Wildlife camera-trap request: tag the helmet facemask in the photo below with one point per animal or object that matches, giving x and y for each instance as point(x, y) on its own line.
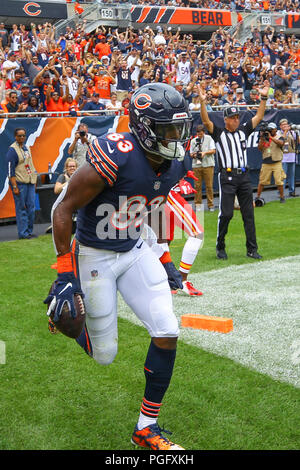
point(166, 139)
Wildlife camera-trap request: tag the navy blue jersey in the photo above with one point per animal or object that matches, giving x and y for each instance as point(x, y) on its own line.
point(124, 79)
point(113, 219)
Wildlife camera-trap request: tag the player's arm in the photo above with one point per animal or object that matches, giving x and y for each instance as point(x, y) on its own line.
point(83, 187)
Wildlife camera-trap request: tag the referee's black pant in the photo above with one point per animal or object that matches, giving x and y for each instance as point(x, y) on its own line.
point(232, 184)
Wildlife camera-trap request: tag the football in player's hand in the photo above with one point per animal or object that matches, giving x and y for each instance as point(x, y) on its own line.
point(66, 324)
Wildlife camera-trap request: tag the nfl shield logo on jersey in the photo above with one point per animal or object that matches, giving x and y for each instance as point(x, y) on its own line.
point(156, 185)
point(94, 274)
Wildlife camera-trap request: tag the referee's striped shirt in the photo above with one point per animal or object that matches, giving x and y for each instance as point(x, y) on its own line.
point(231, 147)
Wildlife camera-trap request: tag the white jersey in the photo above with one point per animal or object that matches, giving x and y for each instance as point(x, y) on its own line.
point(73, 86)
point(135, 73)
point(183, 72)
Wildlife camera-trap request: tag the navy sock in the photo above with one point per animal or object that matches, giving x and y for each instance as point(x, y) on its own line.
point(158, 372)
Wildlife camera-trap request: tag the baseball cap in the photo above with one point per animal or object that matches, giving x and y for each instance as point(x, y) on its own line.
point(239, 90)
point(105, 57)
point(272, 125)
point(96, 94)
point(231, 111)
point(25, 85)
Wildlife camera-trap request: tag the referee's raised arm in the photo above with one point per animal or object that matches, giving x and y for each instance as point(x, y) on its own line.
point(262, 107)
point(203, 112)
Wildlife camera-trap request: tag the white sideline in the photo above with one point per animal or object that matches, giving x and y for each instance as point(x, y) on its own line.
point(263, 299)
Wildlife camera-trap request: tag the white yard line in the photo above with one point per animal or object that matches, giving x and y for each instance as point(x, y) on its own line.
point(263, 299)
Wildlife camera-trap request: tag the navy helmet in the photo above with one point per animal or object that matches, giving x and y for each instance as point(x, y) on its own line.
point(160, 120)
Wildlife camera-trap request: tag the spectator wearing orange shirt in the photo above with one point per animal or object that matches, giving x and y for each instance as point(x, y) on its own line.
point(102, 48)
point(78, 8)
point(102, 79)
point(90, 88)
point(54, 102)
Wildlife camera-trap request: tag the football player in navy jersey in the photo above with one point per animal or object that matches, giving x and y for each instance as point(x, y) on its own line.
point(126, 176)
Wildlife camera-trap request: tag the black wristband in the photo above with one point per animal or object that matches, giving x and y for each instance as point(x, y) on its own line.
point(264, 98)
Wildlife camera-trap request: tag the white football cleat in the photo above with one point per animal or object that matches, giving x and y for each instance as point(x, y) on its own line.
point(189, 289)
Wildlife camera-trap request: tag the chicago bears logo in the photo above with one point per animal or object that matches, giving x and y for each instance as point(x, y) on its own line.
point(28, 9)
point(142, 101)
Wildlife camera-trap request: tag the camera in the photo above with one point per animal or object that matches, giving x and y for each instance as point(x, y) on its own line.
point(199, 149)
point(264, 132)
point(82, 133)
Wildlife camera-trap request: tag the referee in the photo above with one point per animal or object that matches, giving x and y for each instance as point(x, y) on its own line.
point(234, 179)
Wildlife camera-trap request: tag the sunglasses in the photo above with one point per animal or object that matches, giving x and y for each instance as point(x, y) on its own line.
point(21, 135)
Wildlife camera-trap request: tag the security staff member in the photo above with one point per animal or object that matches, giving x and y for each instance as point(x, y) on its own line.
point(234, 179)
point(271, 147)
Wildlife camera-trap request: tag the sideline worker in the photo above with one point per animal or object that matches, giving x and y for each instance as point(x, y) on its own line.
point(22, 179)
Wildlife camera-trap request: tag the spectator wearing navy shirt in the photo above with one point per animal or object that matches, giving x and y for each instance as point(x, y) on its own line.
point(24, 96)
point(124, 82)
point(93, 105)
point(281, 80)
point(249, 76)
point(235, 72)
point(218, 68)
point(18, 81)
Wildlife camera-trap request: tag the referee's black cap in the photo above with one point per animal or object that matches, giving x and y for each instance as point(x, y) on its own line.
point(231, 111)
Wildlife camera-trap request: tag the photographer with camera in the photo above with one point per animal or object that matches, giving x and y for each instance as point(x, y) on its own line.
point(202, 152)
point(271, 146)
point(80, 144)
point(291, 141)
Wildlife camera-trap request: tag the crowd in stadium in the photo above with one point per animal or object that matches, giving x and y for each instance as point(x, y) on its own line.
point(74, 72)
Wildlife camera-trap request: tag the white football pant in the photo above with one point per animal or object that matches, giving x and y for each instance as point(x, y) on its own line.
point(142, 281)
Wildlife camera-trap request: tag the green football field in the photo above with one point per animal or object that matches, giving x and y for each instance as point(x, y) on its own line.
point(238, 390)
